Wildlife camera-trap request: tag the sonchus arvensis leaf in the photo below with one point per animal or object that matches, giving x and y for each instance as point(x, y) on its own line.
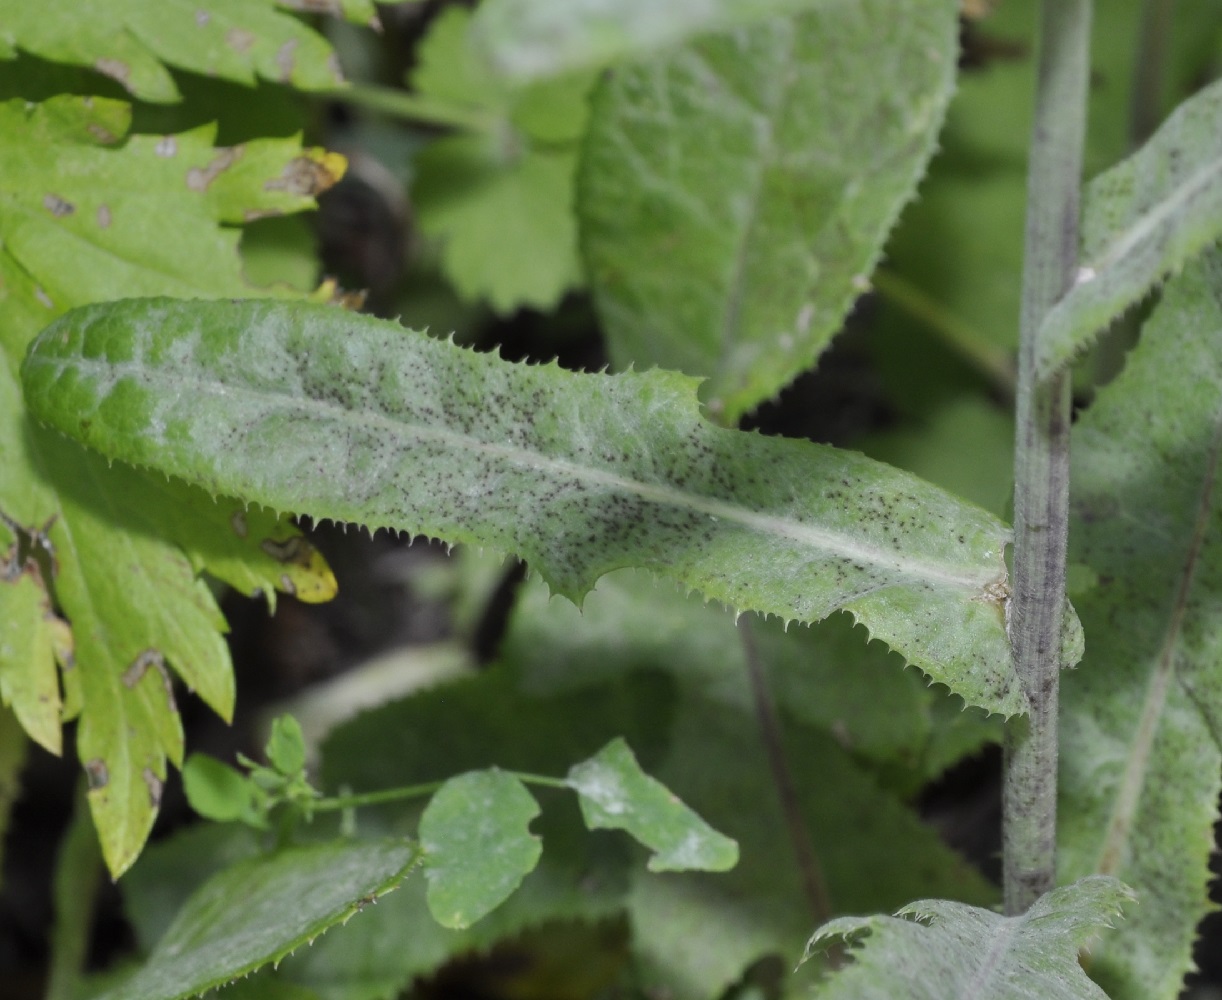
point(309, 409)
point(1141, 757)
point(86, 210)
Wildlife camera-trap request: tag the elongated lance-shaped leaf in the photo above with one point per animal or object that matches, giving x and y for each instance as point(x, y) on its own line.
point(1141, 758)
point(947, 949)
point(312, 410)
point(533, 38)
point(1143, 219)
point(819, 126)
point(260, 910)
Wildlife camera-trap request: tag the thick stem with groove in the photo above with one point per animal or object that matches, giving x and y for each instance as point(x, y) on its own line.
point(1041, 461)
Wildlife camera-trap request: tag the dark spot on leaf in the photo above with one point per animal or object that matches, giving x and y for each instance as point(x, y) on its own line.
point(304, 176)
point(167, 146)
point(154, 785)
point(104, 216)
point(57, 206)
point(133, 674)
point(239, 39)
point(116, 69)
point(97, 775)
point(294, 549)
point(286, 59)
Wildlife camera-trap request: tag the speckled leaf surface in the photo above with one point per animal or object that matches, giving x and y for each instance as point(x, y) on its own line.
point(33, 642)
point(534, 38)
point(615, 794)
point(934, 949)
point(580, 474)
point(133, 42)
point(262, 909)
point(1140, 752)
point(1142, 220)
point(83, 214)
point(734, 195)
point(477, 845)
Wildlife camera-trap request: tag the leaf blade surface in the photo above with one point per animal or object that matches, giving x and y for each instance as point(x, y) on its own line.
point(581, 474)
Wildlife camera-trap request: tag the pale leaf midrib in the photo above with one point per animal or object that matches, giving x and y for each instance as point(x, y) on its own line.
point(1137, 763)
point(836, 543)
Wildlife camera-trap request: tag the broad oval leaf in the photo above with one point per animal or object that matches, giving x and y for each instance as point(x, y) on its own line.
point(526, 39)
point(735, 195)
point(259, 910)
point(615, 794)
point(1141, 755)
point(477, 845)
point(316, 411)
point(934, 949)
point(1143, 219)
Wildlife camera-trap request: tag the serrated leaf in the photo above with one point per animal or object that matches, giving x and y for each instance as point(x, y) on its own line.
point(499, 199)
point(83, 214)
point(615, 794)
point(745, 271)
point(29, 638)
point(132, 41)
point(579, 474)
point(533, 38)
point(477, 844)
point(1142, 220)
point(287, 900)
point(1140, 757)
point(934, 949)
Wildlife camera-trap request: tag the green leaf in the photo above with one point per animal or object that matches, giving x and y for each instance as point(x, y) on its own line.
point(218, 792)
point(744, 271)
point(933, 949)
point(129, 40)
point(1142, 220)
point(33, 639)
point(286, 750)
point(579, 474)
point(287, 900)
point(499, 199)
point(477, 846)
point(82, 216)
point(1141, 757)
point(617, 795)
point(534, 38)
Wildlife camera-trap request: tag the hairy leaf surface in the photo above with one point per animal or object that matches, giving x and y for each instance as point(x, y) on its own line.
point(477, 844)
point(311, 410)
point(1141, 757)
point(82, 215)
point(934, 949)
point(286, 900)
point(534, 38)
point(735, 195)
point(132, 41)
point(615, 794)
point(1143, 219)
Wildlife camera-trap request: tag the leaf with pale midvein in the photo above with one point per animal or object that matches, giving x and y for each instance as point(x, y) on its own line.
point(309, 409)
point(526, 39)
point(259, 910)
point(1140, 753)
point(82, 214)
point(935, 948)
point(1143, 219)
point(820, 127)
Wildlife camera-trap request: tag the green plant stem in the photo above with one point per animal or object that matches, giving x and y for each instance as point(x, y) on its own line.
point(1146, 103)
point(358, 799)
point(1041, 461)
point(813, 882)
point(78, 874)
point(413, 107)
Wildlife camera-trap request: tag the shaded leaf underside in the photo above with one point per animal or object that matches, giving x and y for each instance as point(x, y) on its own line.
point(311, 410)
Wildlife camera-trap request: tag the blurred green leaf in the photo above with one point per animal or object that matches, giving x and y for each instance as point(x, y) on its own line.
point(735, 195)
point(1140, 754)
point(219, 792)
point(286, 749)
point(617, 795)
point(287, 900)
point(477, 845)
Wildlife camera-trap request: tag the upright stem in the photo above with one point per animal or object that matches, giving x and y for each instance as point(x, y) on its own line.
point(1041, 461)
